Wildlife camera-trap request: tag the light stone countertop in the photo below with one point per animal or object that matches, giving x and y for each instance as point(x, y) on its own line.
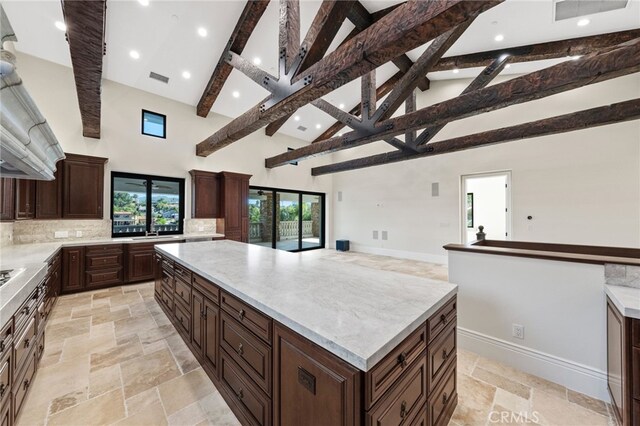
point(626, 299)
point(34, 257)
point(357, 313)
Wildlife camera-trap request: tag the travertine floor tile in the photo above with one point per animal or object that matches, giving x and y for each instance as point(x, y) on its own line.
point(147, 371)
point(191, 414)
point(475, 399)
point(102, 410)
point(129, 349)
point(556, 411)
point(502, 382)
point(185, 390)
point(587, 402)
point(104, 380)
point(151, 415)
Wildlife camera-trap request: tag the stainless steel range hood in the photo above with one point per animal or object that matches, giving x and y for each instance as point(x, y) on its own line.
point(28, 147)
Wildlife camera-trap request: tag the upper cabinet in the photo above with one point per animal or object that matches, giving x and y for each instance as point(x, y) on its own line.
point(25, 199)
point(234, 203)
point(7, 199)
point(83, 187)
point(205, 193)
point(49, 196)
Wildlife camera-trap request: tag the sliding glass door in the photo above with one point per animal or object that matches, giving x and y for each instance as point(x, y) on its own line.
point(286, 219)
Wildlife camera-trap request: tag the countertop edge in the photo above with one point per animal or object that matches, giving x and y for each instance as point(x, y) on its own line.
point(629, 312)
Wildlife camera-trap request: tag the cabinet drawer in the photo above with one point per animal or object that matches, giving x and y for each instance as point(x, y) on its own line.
point(420, 418)
point(103, 277)
point(443, 401)
point(183, 292)
point(440, 319)
point(40, 347)
point(24, 343)
point(167, 300)
point(26, 311)
point(167, 279)
point(140, 247)
point(42, 315)
point(635, 332)
point(6, 338)
point(251, 354)
point(5, 378)
point(103, 248)
point(103, 261)
point(251, 405)
point(22, 383)
point(181, 272)
point(167, 264)
point(183, 319)
point(440, 353)
point(6, 416)
point(381, 377)
point(208, 288)
point(254, 320)
point(400, 403)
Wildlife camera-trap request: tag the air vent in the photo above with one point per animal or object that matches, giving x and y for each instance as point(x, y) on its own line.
point(158, 77)
point(567, 9)
point(302, 128)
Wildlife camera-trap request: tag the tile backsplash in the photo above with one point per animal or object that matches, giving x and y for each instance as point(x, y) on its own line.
point(43, 231)
point(6, 233)
point(624, 275)
point(200, 226)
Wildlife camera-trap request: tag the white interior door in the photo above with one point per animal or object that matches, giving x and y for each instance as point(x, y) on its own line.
point(486, 201)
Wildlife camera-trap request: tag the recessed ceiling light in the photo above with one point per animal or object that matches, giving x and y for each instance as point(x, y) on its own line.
point(61, 26)
point(341, 106)
point(297, 118)
point(499, 37)
point(144, 2)
point(186, 75)
point(456, 70)
point(236, 94)
point(318, 126)
point(339, 134)
point(257, 61)
point(134, 54)
point(202, 32)
point(583, 22)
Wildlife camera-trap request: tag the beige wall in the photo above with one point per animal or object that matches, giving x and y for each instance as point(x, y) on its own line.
point(581, 187)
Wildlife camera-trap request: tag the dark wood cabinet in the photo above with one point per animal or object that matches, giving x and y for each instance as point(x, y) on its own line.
point(140, 262)
point(83, 187)
point(205, 195)
point(25, 199)
point(72, 269)
point(211, 335)
point(7, 199)
point(234, 204)
point(49, 196)
point(6, 419)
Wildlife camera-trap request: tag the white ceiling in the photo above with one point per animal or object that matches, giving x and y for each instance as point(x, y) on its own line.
point(165, 35)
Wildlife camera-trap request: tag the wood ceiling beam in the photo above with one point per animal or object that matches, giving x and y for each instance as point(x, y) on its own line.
point(405, 28)
point(540, 51)
point(289, 34)
point(621, 60)
point(362, 19)
point(85, 21)
point(601, 116)
point(323, 30)
point(251, 14)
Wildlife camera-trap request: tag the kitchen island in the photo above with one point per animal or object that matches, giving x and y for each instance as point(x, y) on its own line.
point(292, 338)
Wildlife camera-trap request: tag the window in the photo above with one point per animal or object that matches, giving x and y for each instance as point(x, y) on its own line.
point(154, 124)
point(144, 203)
point(285, 219)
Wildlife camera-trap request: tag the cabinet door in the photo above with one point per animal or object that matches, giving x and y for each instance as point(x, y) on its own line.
point(232, 205)
point(311, 384)
point(7, 199)
point(72, 269)
point(616, 361)
point(211, 327)
point(205, 200)
point(140, 266)
point(158, 274)
point(5, 413)
point(83, 189)
point(198, 326)
point(49, 197)
point(25, 199)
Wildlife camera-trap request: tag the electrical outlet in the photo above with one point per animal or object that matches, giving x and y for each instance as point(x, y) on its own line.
point(200, 228)
point(375, 235)
point(385, 235)
point(78, 234)
point(61, 234)
point(518, 331)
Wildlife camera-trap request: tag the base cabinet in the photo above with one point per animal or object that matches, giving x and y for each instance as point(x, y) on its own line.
point(72, 269)
point(269, 374)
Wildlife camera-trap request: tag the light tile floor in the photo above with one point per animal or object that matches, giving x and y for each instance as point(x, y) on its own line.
point(112, 357)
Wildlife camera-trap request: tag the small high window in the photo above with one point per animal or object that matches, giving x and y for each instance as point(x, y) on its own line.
point(154, 124)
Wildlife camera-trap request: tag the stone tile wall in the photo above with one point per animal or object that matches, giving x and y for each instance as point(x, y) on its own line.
point(193, 226)
point(43, 231)
point(6, 233)
point(625, 275)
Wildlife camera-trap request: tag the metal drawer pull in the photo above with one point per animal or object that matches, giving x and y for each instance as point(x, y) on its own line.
point(2, 346)
point(240, 349)
point(25, 311)
point(444, 354)
point(3, 388)
point(26, 343)
point(240, 394)
point(402, 359)
point(445, 398)
point(241, 314)
point(403, 409)
point(443, 318)
point(26, 384)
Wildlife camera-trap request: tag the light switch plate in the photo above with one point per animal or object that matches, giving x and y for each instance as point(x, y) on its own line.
point(384, 235)
point(435, 189)
point(61, 234)
point(375, 235)
point(78, 234)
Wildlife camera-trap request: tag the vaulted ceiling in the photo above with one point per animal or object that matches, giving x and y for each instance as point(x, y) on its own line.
point(165, 34)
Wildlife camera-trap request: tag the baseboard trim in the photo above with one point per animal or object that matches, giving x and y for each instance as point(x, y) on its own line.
point(575, 376)
point(401, 254)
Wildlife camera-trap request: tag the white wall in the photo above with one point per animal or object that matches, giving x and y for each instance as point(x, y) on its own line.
point(560, 304)
point(581, 187)
point(53, 89)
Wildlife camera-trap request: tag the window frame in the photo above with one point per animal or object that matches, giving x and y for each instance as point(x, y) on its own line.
point(149, 178)
point(164, 124)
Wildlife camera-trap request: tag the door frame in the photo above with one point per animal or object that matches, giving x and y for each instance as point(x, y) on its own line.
point(463, 202)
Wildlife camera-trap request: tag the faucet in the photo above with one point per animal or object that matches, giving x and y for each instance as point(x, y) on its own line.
point(152, 233)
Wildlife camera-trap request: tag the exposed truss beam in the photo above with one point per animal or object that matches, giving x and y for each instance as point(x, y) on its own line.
point(85, 21)
point(540, 51)
point(253, 11)
point(289, 34)
point(616, 113)
point(593, 68)
point(405, 28)
point(323, 30)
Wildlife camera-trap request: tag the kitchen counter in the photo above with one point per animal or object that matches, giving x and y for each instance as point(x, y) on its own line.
point(626, 299)
point(356, 313)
